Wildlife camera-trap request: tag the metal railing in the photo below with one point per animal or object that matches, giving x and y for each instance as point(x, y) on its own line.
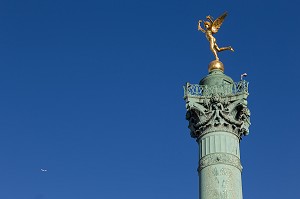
point(223, 89)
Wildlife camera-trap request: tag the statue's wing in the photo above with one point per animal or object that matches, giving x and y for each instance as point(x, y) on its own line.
point(218, 22)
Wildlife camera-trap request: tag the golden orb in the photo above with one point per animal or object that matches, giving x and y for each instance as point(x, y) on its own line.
point(216, 64)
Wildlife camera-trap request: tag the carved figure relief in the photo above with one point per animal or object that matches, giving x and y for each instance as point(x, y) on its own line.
point(220, 183)
point(217, 113)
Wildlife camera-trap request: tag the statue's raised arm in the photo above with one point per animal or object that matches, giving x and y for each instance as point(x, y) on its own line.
point(199, 26)
point(212, 27)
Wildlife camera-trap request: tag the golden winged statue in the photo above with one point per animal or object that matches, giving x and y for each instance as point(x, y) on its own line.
point(212, 27)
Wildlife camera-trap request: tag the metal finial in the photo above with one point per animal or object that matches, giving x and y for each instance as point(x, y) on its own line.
point(243, 75)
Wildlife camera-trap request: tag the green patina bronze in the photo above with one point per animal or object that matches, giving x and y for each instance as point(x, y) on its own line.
point(218, 119)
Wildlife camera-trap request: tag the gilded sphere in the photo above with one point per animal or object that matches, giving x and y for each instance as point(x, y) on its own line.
point(215, 65)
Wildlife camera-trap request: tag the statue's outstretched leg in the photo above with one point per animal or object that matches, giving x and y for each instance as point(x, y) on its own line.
point(224, 48)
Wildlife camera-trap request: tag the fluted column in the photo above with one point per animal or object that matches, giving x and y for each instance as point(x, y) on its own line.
point(219, 166)
point(218, 118)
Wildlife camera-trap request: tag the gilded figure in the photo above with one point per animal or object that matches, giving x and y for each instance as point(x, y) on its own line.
point(211, 27)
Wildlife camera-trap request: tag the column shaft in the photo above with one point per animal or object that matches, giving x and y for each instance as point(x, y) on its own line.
point(219, 166)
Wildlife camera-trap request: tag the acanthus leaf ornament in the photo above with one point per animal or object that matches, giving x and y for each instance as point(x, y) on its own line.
point(218, 112)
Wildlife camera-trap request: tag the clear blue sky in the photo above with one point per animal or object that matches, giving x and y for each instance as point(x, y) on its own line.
point(92, 91)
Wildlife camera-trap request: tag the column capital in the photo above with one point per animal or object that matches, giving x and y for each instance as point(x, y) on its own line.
point(222, 107)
